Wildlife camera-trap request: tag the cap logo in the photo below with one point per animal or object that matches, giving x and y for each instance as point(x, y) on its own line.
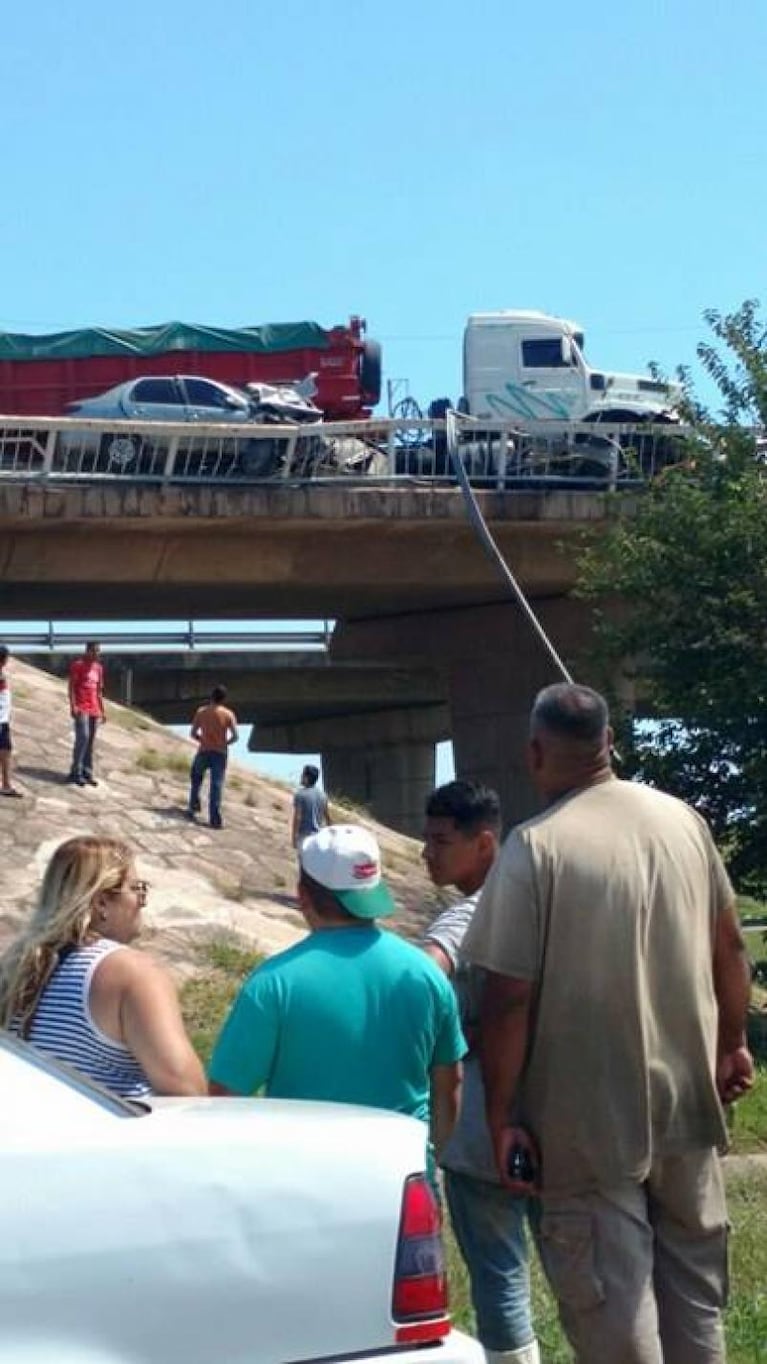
point(362, 871)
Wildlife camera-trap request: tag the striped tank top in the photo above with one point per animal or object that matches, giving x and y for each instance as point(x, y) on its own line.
point(64, 1027)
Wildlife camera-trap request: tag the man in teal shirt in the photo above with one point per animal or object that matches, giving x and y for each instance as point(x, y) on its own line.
point(352, 1014)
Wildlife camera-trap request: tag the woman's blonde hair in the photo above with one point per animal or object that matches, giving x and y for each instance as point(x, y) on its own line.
point(78, 871)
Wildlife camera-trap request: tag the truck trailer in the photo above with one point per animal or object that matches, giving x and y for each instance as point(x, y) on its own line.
point(42, 375)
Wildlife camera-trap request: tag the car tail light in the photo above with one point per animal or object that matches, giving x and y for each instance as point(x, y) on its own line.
point(419, 1304)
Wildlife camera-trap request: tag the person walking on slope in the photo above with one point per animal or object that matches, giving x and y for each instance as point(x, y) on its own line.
point(613, 1028)
point(7, 787)
point(352, 1014)
point(310, 807)
point(86, 706)
point(463, 826)
point(214, 727)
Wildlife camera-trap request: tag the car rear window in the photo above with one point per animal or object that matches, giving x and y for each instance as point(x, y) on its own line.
point(156, 391)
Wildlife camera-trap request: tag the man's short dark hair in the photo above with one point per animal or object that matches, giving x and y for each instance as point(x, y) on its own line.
point(91, 644)
point(324, 902)
point(5, 653)
point(469, 804)
point(218, 695)
point(570, 711)
point(310, 774)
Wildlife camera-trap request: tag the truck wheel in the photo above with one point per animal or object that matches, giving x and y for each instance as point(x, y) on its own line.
point(370, 373)
point(118, 453)
point(645, 453)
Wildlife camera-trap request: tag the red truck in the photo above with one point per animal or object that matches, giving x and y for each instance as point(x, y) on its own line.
point(41, 375)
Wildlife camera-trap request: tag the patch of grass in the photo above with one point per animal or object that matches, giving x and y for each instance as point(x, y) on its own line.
point(153, 760)
point(235, 782)
point(748, 908)
point(207, 997)
point(129, 719)
point(747, 1119)
point(746, 1316)
point(232, 959)
point(341, 807)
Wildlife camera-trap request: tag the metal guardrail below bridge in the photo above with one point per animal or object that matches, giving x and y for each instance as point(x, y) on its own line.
point(569, 454)
point(190, 640)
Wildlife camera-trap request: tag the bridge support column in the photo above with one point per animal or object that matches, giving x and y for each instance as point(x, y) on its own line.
point(392, 781)
point(494, 665)
point(383, 760)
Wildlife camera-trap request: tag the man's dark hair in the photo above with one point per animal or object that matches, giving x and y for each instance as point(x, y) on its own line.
point(218, 695)
point(4, 653)
point(91, 644)
point(469, 804)
point(570, 711)
point(310, 775)
point(323, 900)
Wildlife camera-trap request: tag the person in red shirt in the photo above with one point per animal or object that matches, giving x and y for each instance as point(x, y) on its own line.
point(214, 727)
point(86, 705)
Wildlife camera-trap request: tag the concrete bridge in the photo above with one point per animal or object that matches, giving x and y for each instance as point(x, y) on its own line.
point(427, 645)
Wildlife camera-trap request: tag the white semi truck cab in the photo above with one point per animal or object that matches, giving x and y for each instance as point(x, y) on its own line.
point(528, 366)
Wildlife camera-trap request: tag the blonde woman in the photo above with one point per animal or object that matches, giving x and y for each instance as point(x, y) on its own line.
point(71, 984)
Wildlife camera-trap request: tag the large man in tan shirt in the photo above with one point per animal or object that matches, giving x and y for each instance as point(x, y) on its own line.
point(613, 1028)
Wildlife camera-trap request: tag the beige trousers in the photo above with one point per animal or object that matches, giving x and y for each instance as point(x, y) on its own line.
point(640, 1272)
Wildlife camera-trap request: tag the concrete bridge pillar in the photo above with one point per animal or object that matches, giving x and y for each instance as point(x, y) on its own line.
point(383, 760)
point(493, 665)
point(392, 781)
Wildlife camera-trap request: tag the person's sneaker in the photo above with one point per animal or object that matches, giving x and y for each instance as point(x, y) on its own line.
point(12, 792)
point(91, 781)
point(195, 809)
point(216, 824)
point(79, 781)
point(191, 814)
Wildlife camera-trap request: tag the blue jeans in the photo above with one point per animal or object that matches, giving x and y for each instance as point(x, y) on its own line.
point(489, 1226)
point(82, 752)
point(214, 763)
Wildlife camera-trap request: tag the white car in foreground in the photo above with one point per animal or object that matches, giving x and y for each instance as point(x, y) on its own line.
point(224, 1230)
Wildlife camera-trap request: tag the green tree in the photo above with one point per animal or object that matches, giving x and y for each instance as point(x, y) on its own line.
point(679, 588)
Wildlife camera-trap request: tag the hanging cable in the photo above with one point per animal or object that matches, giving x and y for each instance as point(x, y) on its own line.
point(488, 543)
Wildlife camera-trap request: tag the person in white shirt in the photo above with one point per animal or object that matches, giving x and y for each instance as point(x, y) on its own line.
point(6, 746)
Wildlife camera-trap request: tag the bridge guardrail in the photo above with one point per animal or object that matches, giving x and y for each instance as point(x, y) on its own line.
point(193, 639)
point(498, 455)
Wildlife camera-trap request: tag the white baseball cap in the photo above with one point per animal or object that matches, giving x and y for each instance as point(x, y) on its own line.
point(346, 859)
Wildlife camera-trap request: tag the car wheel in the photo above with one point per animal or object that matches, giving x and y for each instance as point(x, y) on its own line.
point(119, 452)
point(260, 458)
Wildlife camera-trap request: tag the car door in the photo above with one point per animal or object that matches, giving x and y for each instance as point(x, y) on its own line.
point(157, 399)
point(207, 401)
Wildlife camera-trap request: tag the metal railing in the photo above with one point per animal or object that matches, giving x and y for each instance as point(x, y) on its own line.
point(498, 455)
point(192, 638)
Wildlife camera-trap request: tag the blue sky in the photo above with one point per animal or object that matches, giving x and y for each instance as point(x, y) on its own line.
point(244, 163)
